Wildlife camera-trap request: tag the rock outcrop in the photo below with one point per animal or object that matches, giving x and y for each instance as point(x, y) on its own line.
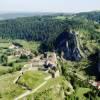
point(67, 43)
point(99, 61)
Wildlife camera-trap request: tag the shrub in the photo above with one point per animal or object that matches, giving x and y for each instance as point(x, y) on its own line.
point(11, 64)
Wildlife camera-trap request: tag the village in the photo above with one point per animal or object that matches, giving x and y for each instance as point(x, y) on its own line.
point(47, 63)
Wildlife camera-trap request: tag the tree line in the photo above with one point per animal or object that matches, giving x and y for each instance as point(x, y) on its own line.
point(43, 28)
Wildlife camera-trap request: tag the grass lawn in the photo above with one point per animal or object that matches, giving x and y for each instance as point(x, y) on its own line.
point(9, 90)
point(33, 79)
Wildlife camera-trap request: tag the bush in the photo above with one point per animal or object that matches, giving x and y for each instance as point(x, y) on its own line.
point(10, 71)
point(0, 95)
point(11, 64)
point(4, 59)
point(23, 56)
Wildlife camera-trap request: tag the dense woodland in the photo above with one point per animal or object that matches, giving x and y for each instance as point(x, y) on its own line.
point(43, 28)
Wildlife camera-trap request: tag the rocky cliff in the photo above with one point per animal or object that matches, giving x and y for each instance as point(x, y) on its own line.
point(67, 43)
point(99, 61)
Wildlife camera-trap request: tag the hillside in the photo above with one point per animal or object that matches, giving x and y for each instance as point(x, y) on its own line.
point(47, 27)
point(50, 57)
point(93, 15)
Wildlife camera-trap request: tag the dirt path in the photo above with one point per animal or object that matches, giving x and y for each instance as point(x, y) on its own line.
point(34, 90)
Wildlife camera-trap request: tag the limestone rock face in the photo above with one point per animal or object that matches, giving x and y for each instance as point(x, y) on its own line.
point(67, 44)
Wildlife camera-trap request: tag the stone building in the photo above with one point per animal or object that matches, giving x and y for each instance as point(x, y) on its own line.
point(51, 61)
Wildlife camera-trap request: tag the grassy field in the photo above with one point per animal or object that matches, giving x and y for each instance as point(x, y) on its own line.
point(4, 45)
point(49, 91)
point(13, 63)
point(32, 79)
point(12, 59)
point(9, 90)
point(52, 83)
point(50, 94)
point(33, 46)
point(4, 69)
point(10, 69)
point(60, 17)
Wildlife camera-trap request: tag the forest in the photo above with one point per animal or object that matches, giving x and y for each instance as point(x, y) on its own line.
point(41, 28)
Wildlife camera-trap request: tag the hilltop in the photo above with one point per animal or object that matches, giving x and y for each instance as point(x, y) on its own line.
point(50, 56)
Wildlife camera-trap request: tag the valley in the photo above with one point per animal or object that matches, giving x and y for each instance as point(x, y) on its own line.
point(50, 57)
